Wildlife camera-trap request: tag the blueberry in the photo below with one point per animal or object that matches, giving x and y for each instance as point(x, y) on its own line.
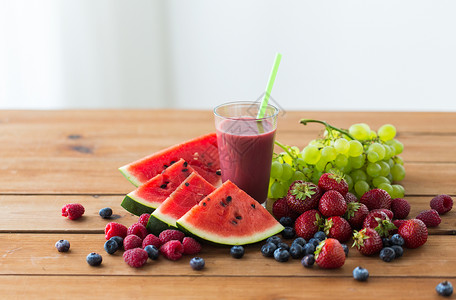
point(296, 251)
point(286, 221)
point(237, 251)
point(94, 259)
point(397, 239)
point(386, 242)
point(444, 289)
point(111, 246)
point(152, 251)
point(387, 254)
point(398, 251)
point(299, 241)
point(308, 260)
point(345, 249)
point(283, 246)
point(197, 263)
point(360, 274)
point(320, 235)
point(314, 241)
point(119, 241)
point(268, 249)
point(274, 239)
point(309, 248)
point(62, 245)
point(105, 213)
point(281, 255)
point(288, 233)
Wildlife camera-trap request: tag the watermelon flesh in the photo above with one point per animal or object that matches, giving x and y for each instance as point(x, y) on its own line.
point(189, 193)
point(230, 216)
point(151, 194)
point(201, 153)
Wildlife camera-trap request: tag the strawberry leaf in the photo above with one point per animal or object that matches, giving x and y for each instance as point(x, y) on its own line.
point(302, 191)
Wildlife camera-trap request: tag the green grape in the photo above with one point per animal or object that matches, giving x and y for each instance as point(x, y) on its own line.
point(295, 150)
point(385, 168)
point(349, 181)
point(398, 191)
point(320, 165)
point(358, 161)
point(346, 169)
point(373, 169)
point(328, 167)
point(287, 158)
point(388, 152)
point(372, 156)
point(287, 172)
point(372, 135)
point(359, 131)
point(311, 154)
point(390, 163)
point(389, 177)
point(387, 132)
point(342, 145)
point(379, 149)
point(358, 175)
point(328, 153)
point(361, 187)
point(341, 161)
point(307, 172)
point(387, 187)
point(298, 175)
point(378, 180)
point(316, 176)
point(398, 172)
point(398, 146)
point(399, 160)
point(276, 170)
point(278, 190)
point(300, 162)
point(356, 148)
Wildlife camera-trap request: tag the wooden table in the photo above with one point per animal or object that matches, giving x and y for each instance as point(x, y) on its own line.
point(50, 158)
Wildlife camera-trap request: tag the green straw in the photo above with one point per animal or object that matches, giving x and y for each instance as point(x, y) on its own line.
point(271, 80)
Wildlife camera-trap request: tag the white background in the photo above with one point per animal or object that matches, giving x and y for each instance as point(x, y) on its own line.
point(337, 55)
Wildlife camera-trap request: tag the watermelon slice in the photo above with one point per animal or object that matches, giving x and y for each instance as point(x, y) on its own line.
point(189, 193)
point(201, 153)
point(150, 195)
point(230, 216)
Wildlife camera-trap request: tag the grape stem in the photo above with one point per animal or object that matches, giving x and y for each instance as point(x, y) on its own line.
point(305, 121)
point(285, 148)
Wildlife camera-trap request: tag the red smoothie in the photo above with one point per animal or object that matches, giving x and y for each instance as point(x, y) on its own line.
point(246, 153)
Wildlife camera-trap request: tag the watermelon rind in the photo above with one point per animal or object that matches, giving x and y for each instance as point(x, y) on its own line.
point(130, 177)
point(155, 225)
point(137, 206)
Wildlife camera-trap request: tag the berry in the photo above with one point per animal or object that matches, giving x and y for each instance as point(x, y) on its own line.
point(111, 246)
point(281, 255)
point(169, 235)
point(308, 248)
point(338, 228)
point(307, 224)
point(137, 229)
point(320, 235)
point(330, 254)
point(303, 196)
point(398, 224)
point(62, 245)
point(396, 239)
point(286, 221)
point(237, 251)
point(388, 212)
point(118, 240)
point(379, 221)
point(376, 198)
point(400, 207)
point(360, 274)
point(94, 259)
point(387, 254)
point(332, 203)
point(299, 241)
point(444, 288)
point(115, 229)
point(414, 232)
point(152, 251)
point(368, 241)
point(333, 181)
point(386, 242)
point(296, 251)
point(398, 250)
point(132, 241)
point(314, 242)
point(349, 197)
point(136, 257)
point(144, 219)
point(73, 211)
point(442, 204)
point(288, 233)
point(356, 213)
point(105, 213)
point(345, 249)
point(268, 249)
point(172, 250)
point(283, 246)
point(429, 217)
point(281, 209)
point(197, 263)
point(191, 246)
point(151, 239)
point(274, 239)
point(308, 261)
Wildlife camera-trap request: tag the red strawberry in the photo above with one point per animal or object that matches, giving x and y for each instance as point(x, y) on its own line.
point(332, 203)
point(330, 254)
point(398, 224)
point(376, 198)
point(356, 213)
point(368, 241)
point(281, 209)
point(333, 181)
point(349, 197)
point(303, 196)
point(429, 217)
point(338, 228)
point(307, 224)
point(73, 211)
point(414, 232)
point(442, 204)
point(379, 221)
point(400, 208)
point(388, 212)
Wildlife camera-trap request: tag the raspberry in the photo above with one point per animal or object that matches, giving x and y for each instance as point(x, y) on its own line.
point(136, 257)
point(442, 204)
point(169, 235)
point(191, 246)
point(132, 241)
point(429, 217)
point(144, 219)
point(115, 229)
point(151, 239)
point(73, 211)
point(400, 208)
point(172, 250)
point(281, 209)
point(137, 229)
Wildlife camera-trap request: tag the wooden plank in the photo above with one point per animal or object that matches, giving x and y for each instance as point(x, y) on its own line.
point(198, 287)
point(35, 254)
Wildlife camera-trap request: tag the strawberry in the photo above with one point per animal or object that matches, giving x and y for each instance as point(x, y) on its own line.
point(414, 232)
point(349, 197)
point(429, 217)
point(330, 254)
point(281, 209)
point(333, 181)
point(376, 198)
point(332, 203)
point(368, 241)
point(442, 204)
point(388, 212)
point(303, 196)
point(400, 208)
point(338, 228)
point(379, 221)
point(307, 224)
point(398, 224)
point(356, 213)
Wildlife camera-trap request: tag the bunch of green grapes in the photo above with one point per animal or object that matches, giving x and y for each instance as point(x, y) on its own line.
point(368, 160)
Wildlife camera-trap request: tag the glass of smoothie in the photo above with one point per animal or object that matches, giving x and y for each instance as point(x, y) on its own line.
point(245, 145)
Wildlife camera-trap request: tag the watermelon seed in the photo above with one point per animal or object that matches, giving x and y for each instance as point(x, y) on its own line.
point(185, 164)
point(163, 186)
point(209, 164)
point(234, 222)
point(222, 204)
point(187, 184)
point(228, 199)
point(172, 162)
point(185, 170)
point(165, 166)
point(239, 217)
point(218, 172)
point(252, 205)
point(204, 203)
point(208, 199)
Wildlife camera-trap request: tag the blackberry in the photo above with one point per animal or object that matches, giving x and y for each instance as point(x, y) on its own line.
point(296, 251)
point(268, 249)
point(105, 213)
point(397, 239)
point(62, 245)
point(387, 254)
point(152, 251)
point(308, 260)
point(197, 263)
point(286, 221)
point(309, 249)
point(111, 246)
point(119, 241)
point(314, 241)
point(274, 239)
point(288, 233)
point(320, 235)
point(283, 246)
point(94, 259)
point(360, 274)
point(281, 255)
point(237, 251)
point(444, 289)
point(398, 251)
point(345, 249)
point(386, 242)
point(300, 241)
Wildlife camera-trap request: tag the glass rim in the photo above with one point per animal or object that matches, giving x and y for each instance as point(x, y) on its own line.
point(276, 110)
